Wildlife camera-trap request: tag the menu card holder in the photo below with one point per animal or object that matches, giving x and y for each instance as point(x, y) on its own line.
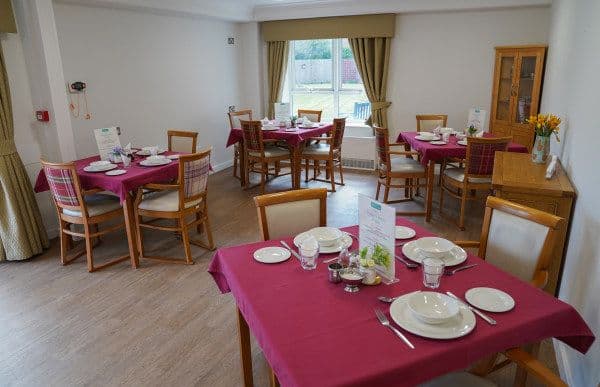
point(107, 139)
point(377, 226)
point(282, 111)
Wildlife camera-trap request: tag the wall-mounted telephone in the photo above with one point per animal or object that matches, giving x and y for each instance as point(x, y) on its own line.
point(77, 87)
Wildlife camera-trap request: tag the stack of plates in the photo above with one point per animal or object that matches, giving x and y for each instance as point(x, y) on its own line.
point(308, 126)
point(432, 315)
point(426, 136)
point(147, 151)
point(100, 166)
point(154, 161)
point(440, 248)
point(331, 239)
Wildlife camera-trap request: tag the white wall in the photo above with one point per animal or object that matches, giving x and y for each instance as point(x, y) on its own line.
point(250, 73)
point(571, 89)
point(444, 62)
point(148, 72)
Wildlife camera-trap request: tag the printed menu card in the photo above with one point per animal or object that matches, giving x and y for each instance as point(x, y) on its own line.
point(106, 139)
point(282, 111)
point(377, 226)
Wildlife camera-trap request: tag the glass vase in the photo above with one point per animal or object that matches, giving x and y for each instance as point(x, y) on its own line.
point(541, 149)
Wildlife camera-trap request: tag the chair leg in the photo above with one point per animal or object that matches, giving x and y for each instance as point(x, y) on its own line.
point(139, 235)
point(441, 197)
point(331, 174)
point(209, 237)
point(235, 160)
point(463, 204)
point(89, 248)
point(341, 172)
point(387, 190)
point(246, 172)
point(306, 166)
point(378, 189)
point(64, 242)
point(185, 237)
point(277, 168)
point(406, 187)
point(263, 177)
point(199, 226)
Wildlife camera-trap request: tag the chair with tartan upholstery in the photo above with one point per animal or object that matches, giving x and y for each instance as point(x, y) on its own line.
point(330, 153)
point(234, 122)
point(177, 202)
point(87, 208)
point(259, 153)
point(476, 174)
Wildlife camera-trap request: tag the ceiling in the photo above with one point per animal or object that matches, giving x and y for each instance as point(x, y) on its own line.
point(260, 10)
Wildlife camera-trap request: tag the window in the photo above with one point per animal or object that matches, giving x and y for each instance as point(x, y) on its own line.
point(322, 74)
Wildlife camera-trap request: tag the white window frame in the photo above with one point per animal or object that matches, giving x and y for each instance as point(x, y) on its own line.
point(336, 81)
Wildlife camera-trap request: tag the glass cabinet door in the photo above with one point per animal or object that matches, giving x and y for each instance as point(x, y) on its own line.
point(505, 82)
point(526, 80)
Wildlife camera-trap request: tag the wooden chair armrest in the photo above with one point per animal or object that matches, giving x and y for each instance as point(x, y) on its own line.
point(159, 186)
point(467, 243)
point(404, 153)
point(540, 280)
point(91, 191)
point(534, 367)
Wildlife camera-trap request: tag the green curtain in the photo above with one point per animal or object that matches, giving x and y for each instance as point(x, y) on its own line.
point(372, 56)
point(277, 58)
point(22, 234)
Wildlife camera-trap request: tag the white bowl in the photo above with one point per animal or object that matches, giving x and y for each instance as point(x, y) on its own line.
point(326, 236)
point(434, 247)
point(427, 134)
point(433, 307)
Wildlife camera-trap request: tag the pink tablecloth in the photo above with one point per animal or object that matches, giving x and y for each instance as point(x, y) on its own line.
point(293, 138)
point(135, 177)
point(439, 152)
point(314, 334)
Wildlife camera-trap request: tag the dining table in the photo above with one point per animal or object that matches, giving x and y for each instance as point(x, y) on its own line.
point(430, 154)
point(313, 333)
point(294, 138)
point(124, 186)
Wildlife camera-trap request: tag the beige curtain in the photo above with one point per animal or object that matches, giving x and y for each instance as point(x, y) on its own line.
point(277, 58)
point(372, 56)
point(22, 234)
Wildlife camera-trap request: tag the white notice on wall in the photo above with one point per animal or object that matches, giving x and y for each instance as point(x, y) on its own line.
point(106, 139)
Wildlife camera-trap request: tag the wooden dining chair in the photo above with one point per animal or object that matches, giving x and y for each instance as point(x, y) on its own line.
point(87, 208)
point(524, 360)
point(519, 240)
point(234, 122)
point(178, 202)
point(312, 115)
point(329, 152)
point(182, 141)
point(399, 172)
point(289, 213)
point(428, 122)
point(259, 153)
point(463, 183)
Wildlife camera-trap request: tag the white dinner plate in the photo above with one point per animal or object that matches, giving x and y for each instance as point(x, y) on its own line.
point(438, 142)
point(173, 157)
point(272, 254)
point(158, 163)
point(421, 138)
point(458, 326)
point(309, 126)
point(344, 242)
point(116, 172)
point(457, 255)
point(99, 168)
point(462, 142)
point(490, 299)
point(145, 152)
point(270, 128)
point(404, 232)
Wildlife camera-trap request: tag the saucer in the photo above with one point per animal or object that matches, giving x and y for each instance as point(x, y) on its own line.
point(272, 254)
point(490, 299)
point(404, 232)
point(116, 172)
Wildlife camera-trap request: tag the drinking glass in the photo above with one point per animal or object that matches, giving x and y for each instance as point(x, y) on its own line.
point(433, 270)
point(309, 251)
point(126, 160)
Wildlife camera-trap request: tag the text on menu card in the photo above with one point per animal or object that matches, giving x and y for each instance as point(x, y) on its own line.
point(106, 139)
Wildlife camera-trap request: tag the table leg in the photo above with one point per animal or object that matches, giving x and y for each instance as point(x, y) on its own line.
point(130, 228)
point(295, 154)
point(245, 349)
point(430, 178)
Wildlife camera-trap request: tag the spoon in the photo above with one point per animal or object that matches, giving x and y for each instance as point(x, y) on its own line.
point(410, 265)
point(389, 300)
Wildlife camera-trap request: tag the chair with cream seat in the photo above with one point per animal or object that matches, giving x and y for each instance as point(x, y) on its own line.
point(87, 208)
point(178, 202)
point(289, 213)
point(312, 115)
point(234, 122)
point(428, 122)
point(182, 141)
point(519, 240)
point(330, 153)
point(475, 176)
point(259, 153)
point(399, 172)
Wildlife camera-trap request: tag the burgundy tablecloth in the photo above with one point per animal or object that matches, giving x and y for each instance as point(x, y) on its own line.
point(136, 176)
point(293, 138)
point(439, 152)
point(314, 334)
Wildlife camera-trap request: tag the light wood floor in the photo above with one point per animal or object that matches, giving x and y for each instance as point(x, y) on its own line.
point(162, 324)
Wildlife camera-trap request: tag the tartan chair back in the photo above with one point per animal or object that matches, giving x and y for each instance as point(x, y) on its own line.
point(480, 154)
point(382, 144)
point(339, 124)
point(63, 182)
point(253, 137)
point(194, 170)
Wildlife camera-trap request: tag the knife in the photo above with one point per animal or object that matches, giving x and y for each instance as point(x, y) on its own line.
point(487, 318)
point(290, 250)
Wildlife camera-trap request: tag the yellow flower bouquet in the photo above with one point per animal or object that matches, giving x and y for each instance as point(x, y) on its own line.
point(545, 125)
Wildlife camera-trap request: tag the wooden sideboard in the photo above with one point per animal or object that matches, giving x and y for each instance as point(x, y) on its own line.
point(517, 179)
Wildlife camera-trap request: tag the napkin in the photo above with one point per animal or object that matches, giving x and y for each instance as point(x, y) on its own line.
point(264, 121)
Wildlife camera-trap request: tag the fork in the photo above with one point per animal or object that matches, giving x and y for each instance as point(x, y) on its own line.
point(454, 271)
point(386, 323)
point(290, 250)
point(410, 265)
